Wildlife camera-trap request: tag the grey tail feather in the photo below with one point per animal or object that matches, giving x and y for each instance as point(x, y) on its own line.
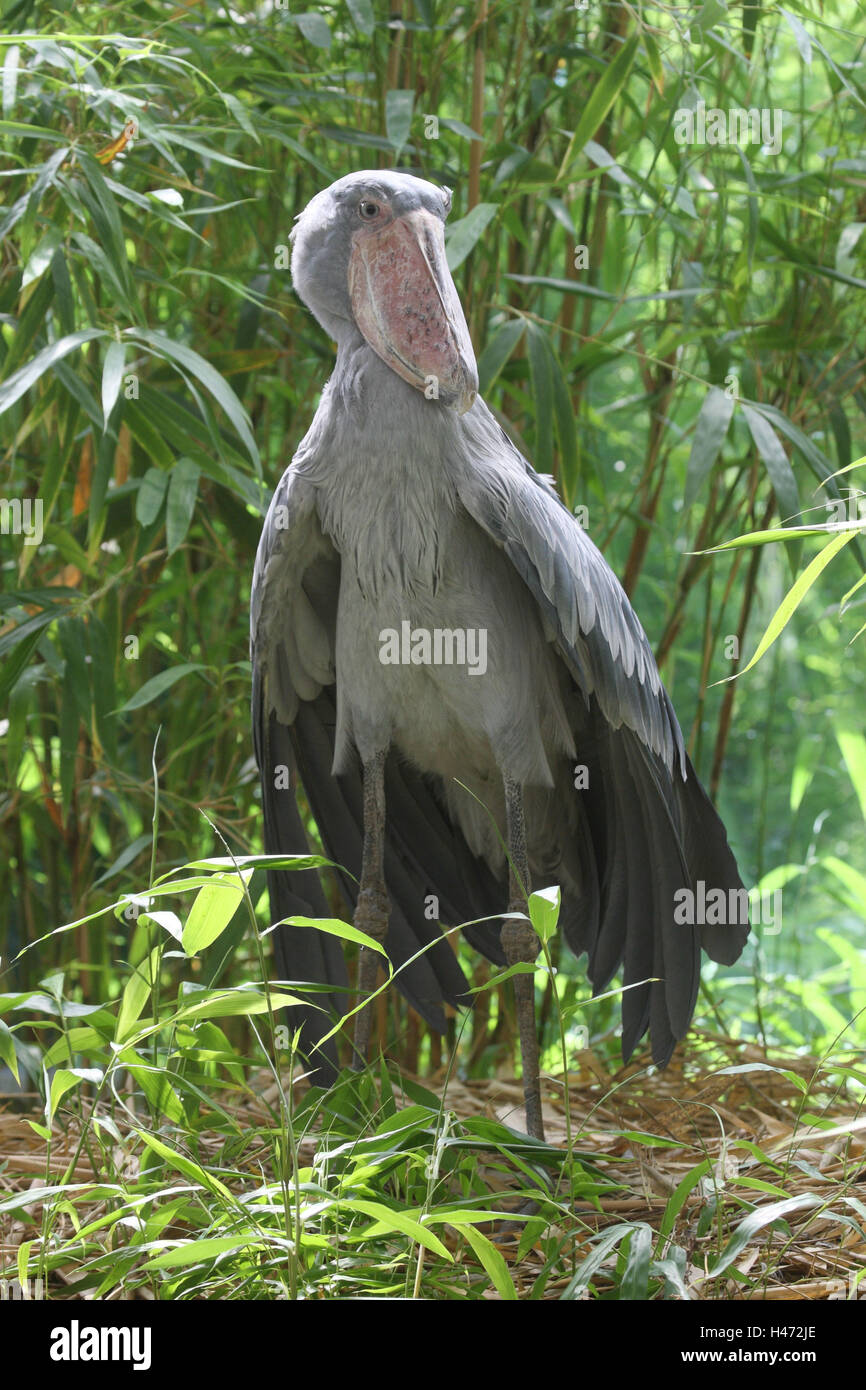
point(653, 833)
point(303, 955)
point(643, 833)
point(424, 856)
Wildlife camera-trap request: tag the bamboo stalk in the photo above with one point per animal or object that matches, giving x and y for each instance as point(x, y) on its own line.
point(476, 120)
point(726, 712)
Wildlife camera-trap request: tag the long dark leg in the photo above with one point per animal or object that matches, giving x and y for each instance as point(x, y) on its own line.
point(520, 943)
point(373, 908)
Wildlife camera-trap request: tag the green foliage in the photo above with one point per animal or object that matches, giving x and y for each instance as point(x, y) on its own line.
point(204, 1186)
point(671, 328)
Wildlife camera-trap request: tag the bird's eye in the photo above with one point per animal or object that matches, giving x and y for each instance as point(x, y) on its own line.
point(368, 210)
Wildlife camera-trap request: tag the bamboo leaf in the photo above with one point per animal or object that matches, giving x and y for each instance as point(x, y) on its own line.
point(41, 257)
point(635, 1278)
point(112, 378)
point(493, 1262)
point(817, 460)
point(151, 495)
point(541, 374)
point(751, 15)
point(106, 216)
point(214, 907)
point(399, 106)
point(778, 464)
point(654, 61)
point(66, 1079)
point(602, 98)
point(157, 685)
point(23, 650)
point(193, 1252)
point(334, 927)
point(388, 1220)
point(315, 28)
point(13, 389)
point(794, 597)
point(566, 430)
point(757, 1221)
point(801, 37)
point(187, 1166)
point(180, 502)
point(544, 906)
point(461, 236)
point(497, 352)
point(237, 1003)
point(7, 1050)
point(10, 78)
point(711, 427)
point(362, 15)
point(136, 993)
point(209, 378)
point(852, 746)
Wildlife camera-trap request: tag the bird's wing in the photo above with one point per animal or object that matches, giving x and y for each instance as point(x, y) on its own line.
point(292, 658)
point(293, 617)
point(647, 829)
point(579, 596)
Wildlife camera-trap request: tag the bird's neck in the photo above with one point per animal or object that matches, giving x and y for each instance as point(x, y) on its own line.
point(371, 423)
point(375, 397)
point(378, 454)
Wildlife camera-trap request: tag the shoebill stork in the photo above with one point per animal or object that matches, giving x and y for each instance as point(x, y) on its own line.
point(408, 511)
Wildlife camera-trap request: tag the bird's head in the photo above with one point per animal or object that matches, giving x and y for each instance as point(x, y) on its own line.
point(370, 251)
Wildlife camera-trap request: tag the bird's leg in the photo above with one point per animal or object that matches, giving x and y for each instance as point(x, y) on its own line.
point(372, 909)
point(520, 943)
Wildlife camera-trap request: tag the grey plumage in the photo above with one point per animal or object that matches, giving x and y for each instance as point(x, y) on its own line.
point(398, 508)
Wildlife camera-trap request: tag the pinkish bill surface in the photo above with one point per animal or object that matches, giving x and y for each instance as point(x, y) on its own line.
point(406, 306)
